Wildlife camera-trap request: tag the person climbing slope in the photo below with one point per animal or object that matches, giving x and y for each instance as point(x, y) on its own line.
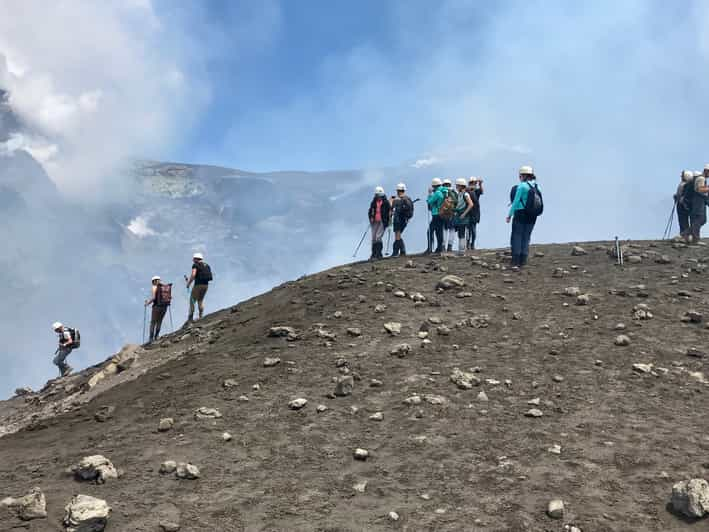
point(69, 340)
point(160, 299)
point(201, 276)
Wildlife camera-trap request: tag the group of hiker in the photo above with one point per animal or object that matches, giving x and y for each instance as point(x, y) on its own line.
point(160, 300)
point(455, 214)
point(691, 201)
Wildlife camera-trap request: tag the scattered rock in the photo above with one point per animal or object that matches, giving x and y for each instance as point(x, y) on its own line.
point(393, 328)
point(344, 386)
point(168, 526)
point(642, 312)
point(320, 409)
point(572, 291)
point(282, 331)
point(534, 402)
point(418, 297)
point(187, 471)
point(86, 514)
point(622, 340)
point(578, 251)
point(401, 350)
point(377, 416)
point(375, 383)
point(534, 412)
point(269, 362)
point(663, 259)
point(692, 316)
point(360, 487)
point(482, 396)
point(96, 467)
point(634, 259)
point(104, 413)
point(33, 505)
point(695, 352)
point(413, 400)
point(230, 383)
point(642, 368)
point(393, 516)
point(20, 392)
point(450, 281)
point(691, 497)
point(165, 424)
point(399, 293)
point(226, 437)
point(354, 331)
point(443, 330)
point(463, 379)
point(555, 509)
point(361, 454)
point(434, 399)
point(207, 413)
point(380, 308)
point(583, 299)
point(555, 449)
point(297, 404)
point(168, 467)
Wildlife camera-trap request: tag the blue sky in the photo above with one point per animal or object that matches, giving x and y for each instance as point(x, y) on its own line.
point(324, 85)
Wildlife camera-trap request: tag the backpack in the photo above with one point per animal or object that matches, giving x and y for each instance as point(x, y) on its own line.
point(75, 337)
point(687, 194)
point(447, 208)
point(406, 208)
point(163, 295)
point(204, 272)
point(534, 204)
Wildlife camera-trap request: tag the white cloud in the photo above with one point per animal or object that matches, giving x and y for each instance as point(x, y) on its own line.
point(138, 226)
point(112, 86)
point(425, 162)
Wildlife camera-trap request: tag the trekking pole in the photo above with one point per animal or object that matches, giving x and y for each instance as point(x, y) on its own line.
point(360, 243)
point(145, 315)
point(668, 227)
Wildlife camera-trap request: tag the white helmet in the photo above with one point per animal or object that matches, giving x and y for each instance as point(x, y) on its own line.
point(401, 186)
point(460, 181)
point(198, 256)
point(155, 278)
point(436, 182)
point(447, 181)
point(526, 170)
point(56, 326)
point(706, 167)
point(379, 191)
point(687, 174)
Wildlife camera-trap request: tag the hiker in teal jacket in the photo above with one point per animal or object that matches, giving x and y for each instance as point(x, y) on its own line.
point(436, 197)
point(522, 223)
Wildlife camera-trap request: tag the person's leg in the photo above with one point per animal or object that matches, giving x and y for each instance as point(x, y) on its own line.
point(200, 302)
point(451, 235)
point(694, 228)
point(153, 323)
point(516, 242)
point(438, 228)
point(429, 236)
point(472, 234)
point(683, 220)
point(193, 300)
point(461, 240)
point(158, 322)
point(60, 361)
point(528, 228)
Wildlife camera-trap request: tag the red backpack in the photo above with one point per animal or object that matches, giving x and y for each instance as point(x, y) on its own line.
point(163, 295)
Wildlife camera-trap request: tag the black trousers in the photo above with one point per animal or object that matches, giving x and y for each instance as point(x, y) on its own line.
point(682, 219)
point(436, 229)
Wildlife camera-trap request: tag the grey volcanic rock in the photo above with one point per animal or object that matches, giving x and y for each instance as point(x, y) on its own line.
point(31, 506)
point(86, 514)
point(691, 497)
point(96, 467)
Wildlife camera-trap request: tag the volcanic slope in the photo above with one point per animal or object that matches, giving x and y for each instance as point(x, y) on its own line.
point(442, 457)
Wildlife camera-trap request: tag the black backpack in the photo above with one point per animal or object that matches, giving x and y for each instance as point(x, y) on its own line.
point(406, 208)
point(687, 194)
point(75, 337)
point(204, 272)
point(534, 203)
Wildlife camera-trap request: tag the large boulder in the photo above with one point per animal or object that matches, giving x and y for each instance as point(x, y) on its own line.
point(691, 497)
point(86, 514)
point(28, 507)
point(96, 467)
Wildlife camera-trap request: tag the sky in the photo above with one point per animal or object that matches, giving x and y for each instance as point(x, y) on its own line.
point(584, 88)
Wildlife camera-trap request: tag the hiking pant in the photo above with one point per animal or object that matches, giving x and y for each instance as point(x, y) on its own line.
point(436, 229)
point(60, 359)
point(197, 296)
point(519, 241)
point(696, 221)
point(472, 234)
point(683, 219)
point(377, 229)
point(156, 318)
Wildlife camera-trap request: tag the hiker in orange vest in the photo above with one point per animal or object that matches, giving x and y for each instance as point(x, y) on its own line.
point(157, 300)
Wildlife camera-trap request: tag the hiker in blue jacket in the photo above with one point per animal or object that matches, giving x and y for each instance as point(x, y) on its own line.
point(522, 221)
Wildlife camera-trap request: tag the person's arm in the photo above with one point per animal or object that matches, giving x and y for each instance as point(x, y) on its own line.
point(153, 296)
point(193, 276)
point(702, 187)
point(480, 187)
point(67, 339)
point(516, 203)
point(469, 202)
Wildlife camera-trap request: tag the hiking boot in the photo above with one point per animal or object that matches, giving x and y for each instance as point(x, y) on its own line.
point(66, 371)
point(373, 256)
point(402, 248)
point(450, 248)
point(395, 249)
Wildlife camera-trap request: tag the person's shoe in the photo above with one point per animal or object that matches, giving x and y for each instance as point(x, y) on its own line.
point(373, 256)
point(450, 248)
point(516, 262)
point(395, 249)
point(67, 371)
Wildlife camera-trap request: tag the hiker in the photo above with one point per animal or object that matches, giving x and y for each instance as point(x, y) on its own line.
point(403, 212)
point(697, 194)
point(67, 343)
point(160, 299)
point(526, 206)
point(475, 189)
point(683, 202)
point(201, 276)
point(461, 221)
point(378, 214)
point(448, 226)
point(436, 197)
